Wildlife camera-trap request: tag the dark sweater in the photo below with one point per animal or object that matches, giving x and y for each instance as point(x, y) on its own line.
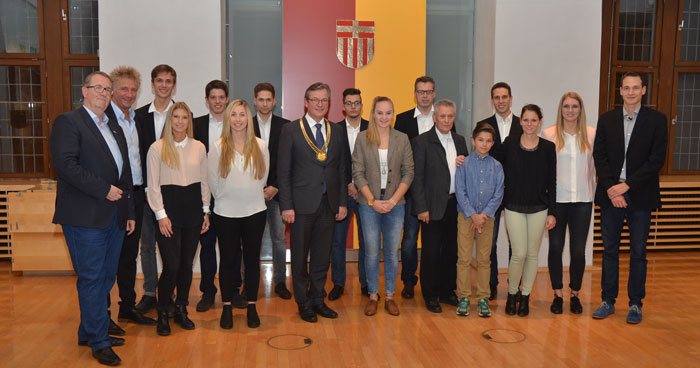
point(530, 176)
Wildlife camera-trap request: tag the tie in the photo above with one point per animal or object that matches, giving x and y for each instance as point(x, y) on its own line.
point(319, 136)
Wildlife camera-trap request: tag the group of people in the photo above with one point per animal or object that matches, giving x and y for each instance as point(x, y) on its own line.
point(156, 175)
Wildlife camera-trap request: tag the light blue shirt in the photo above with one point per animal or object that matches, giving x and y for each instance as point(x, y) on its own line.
point(109, 138)
point(132, 142)
point(479, 185)
point(628, 122)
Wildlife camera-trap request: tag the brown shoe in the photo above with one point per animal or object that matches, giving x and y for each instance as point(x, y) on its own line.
point(371, 308)
point(391, 307)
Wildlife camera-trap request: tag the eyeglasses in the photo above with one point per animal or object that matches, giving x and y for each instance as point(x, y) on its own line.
point(316, 101)
point(99, 89)
point(423, 92)
point(353, 103)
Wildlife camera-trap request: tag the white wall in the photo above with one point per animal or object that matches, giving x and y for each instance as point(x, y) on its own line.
point(184, 34)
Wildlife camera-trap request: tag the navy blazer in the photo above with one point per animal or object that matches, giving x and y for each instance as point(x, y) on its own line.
point(86, 171)
point(348, 162)
point(275, 130)
point(645, 156)
point(431, 181)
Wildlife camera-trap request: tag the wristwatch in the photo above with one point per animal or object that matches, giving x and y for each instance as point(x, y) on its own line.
point(370, 202)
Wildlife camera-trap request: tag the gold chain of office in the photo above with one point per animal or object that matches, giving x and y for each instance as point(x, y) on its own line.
point(320, 153)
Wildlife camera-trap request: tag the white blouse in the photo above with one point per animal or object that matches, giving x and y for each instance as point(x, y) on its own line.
point(383, 166)
point(575, 169)
point(239, 194)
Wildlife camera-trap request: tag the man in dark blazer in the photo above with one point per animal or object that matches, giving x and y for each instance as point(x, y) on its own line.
point(94, 205)
point(151, 117)
point(414, 122)
point(313, 196)
point(505, 124)
point(127, 81)
point(435, 155)
point(629, 150)
point(207, 129)
point(351, 126)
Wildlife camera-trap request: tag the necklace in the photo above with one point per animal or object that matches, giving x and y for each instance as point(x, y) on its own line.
point(320, 152)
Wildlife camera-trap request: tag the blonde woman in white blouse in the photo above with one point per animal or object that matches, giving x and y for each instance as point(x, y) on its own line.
point(238, 168)
point(575, 189)
point(179, 196)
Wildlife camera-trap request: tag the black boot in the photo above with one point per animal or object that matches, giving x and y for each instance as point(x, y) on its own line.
point(181, 317)
point(524, 307)
point(226, 321)
point(510, 304)
point(253, 319)
point(163, 327)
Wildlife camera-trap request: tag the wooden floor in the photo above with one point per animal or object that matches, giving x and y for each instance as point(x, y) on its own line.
point(39, 317)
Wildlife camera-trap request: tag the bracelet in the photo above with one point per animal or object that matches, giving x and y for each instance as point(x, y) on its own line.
point(392, 201)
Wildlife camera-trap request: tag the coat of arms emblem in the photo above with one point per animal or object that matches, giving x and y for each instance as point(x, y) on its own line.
point(355, 42)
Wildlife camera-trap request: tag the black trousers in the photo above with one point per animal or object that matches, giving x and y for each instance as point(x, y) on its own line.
point(312, 234)
point(126, 270)
point(232, 232)
point(177, 253)
point(578, 218)
point(438, 265)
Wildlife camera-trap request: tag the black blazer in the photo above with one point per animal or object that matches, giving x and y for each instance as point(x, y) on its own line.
point(86, 170)
point(200, 130)
point(348, 162)
point(275, 130)
point(646, 154)
point(301, 175)
point(139, 131)
point(431, 181)
point(515, 130)
point(408, 124)
point(147, 133)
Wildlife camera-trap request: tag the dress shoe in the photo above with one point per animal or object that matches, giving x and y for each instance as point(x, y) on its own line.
point(181, 318)
point(364, 290)
point(136, 317)
point(205, 303)
point(282, 291)
point(557, 306)
point(323, 310)
point(407, 292)
point(336, 292)
point(371, 307)
point(391, 307)
point(307, 314)
point(523, 306)
point(115, 341)
point(494, 293)
point(239, 300)
point(576, 307)
point(114, 329)
point(252, 316)
point(163, 327)
point(433, 306)
point(226, 321)
point(451, 300)
point(106, 356)
point(146, 304)
point(511, 307)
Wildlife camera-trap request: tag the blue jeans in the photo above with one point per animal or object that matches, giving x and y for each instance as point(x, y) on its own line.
point(95, 256)
point(378, 227)
point(149, 261)
point(339, 246)
point(611, 221)
point(409, 245)
point(279, 241)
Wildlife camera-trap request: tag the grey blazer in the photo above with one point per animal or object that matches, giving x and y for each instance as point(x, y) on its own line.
point(365, 165)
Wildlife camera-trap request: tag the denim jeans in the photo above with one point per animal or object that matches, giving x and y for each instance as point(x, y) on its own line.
point(339, 247)
point(611, 221)
point(409, 245)
point(279, 241)
point(378, 227)
point(149, 261)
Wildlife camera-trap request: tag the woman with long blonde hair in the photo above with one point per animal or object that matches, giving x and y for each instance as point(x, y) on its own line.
point(575, 189)
point(177, 192)
point(238, 168)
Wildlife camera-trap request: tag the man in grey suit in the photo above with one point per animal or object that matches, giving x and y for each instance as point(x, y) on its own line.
point(313, 195)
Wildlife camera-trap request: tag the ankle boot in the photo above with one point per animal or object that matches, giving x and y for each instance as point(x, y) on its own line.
point(510, 304)
point(226, 321)
point(181, 317)
point(253, 319)
point(163, 327)
point(524, 307)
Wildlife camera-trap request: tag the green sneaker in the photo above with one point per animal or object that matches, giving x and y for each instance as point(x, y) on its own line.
point(463, 307)
point(483, 307)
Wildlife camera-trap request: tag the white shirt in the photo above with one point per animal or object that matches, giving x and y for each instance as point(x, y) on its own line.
point(425, 122)
point(215, 128)
point(132, 142)
point(352, 134)
point(312, 125)
point(239, 194)
point(504, 125)
point(159, 117)
point(383, 166)
point(265, 127)
point(450, 154)
point(575, 170)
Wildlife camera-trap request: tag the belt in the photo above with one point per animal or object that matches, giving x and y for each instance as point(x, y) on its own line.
point(451, 196)
point(138, 187)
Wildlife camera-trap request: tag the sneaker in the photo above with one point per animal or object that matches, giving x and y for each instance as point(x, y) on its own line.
point(635, 314)
point(483, 307)
point(463, 307)
point(604, 310)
